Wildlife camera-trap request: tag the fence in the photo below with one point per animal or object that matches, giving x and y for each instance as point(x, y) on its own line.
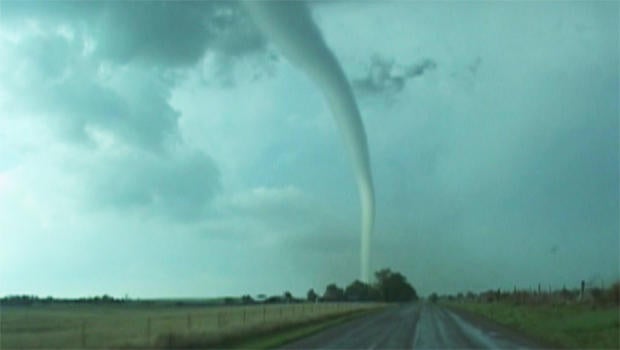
point(106, 326)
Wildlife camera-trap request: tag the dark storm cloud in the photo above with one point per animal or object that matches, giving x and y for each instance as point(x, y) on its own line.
point(64, 72)
point(176, 32)
point(100, 74)
point(386, 77)
point(55, 83)
point(163, 33)
point(234, 33)
point(57, 79)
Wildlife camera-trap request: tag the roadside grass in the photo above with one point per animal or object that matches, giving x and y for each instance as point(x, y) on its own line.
point(259, 337)
point(275, 339)
point(576, 326)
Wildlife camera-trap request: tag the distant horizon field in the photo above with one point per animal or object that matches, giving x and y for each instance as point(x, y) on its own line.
point(130, 299)
point(118, 325)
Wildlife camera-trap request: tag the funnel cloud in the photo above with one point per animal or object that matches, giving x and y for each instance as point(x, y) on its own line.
point(290, 26)
point(140, 170)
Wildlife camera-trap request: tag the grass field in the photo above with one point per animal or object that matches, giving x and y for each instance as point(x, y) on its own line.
point(258, 337)
point(580, 326)
point(105, 326)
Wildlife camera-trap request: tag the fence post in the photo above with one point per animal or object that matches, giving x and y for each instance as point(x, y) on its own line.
point(83, 334)
point(189, 322)
point(148, 330)
point(244, 316)
point(264, 313)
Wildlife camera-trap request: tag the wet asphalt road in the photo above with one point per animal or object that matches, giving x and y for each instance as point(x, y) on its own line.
point(416, 326)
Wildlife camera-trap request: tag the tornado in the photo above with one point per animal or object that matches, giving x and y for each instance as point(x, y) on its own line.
point(290, 26)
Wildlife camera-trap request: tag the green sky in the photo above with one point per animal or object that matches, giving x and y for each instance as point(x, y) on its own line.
point(167, 149)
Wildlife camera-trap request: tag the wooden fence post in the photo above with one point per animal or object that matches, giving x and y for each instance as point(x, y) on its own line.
point(83, 334)
point(189, 322)
point(148, 330)
point(264, 313)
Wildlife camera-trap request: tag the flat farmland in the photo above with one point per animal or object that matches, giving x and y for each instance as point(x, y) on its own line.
point(121, 325)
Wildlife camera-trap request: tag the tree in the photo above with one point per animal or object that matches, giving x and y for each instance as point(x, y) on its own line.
point(433, 297)
point(311, 295)
point(333, 293)
point(359, 291)
point(393, 287)
point(288, 297)
point(247, 299)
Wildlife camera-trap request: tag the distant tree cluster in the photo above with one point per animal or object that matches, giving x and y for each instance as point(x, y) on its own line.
point(389, 286)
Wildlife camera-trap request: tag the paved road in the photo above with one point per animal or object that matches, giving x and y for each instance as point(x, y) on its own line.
point(416, 326)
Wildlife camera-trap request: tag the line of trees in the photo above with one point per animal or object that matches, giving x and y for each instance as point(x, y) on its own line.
point(389, 286)
point(33, 299)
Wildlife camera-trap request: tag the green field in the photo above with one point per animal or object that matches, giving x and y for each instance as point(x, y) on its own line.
point(259, 337)
point(105, 326)
point(571, 325)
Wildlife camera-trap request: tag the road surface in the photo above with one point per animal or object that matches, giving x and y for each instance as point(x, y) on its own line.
point(416, 326)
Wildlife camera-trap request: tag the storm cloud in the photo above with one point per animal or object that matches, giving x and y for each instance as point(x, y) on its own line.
point(163, 33)
point(100, 76)
point(386, 77)
point(126, 166)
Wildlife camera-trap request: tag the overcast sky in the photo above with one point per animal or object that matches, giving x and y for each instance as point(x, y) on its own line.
point(166, 149)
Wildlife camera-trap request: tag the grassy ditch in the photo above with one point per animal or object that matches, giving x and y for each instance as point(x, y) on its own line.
point(577, 326)
point(257, 337)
